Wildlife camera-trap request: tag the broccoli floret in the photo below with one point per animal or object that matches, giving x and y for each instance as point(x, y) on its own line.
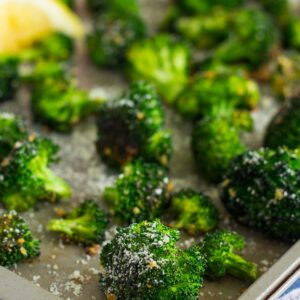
point(254, 37)
point(292, 34)
point(12, 130)
point(193, 212)
point(216, 141)
point(111, 37)
point(161, 60)
point(26, 178)
point(131, 127)
point(208, 89)
point(262, 190)
point(16, 240)
point(85, 224)
point(140, 193)
point(284, 129)
point(9, 77)
point(143, 262)
point(218, 249)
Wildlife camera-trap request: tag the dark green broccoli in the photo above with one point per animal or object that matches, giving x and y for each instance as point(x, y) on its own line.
point(85, 224)
point(292, 34)
point(254, 37)
point(212, 88)
point(285, 80)
point(16, 240)
point(193, 212)
point(218, 249)
point(12, 130)
point(140, 193)
point(131, 127)
point(216, 141)
point(111, 37)
point(9, 77)
point(143, 262)
point(262, 190)
point(161, 60)
point(284, 129)
point(26, 178)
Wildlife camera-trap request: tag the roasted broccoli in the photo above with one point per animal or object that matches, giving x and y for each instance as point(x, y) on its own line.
point(143, 262)
point(9, 77)
point(140, 193)
point(85, 224)
point(254, 37)
point(193, 212)
point(262, 190)
point(131, 126)
point(16, 240)
point(12, 130)
point(26, 178)
point(284, 129)
point(213, 88)
point(163, 61)
point(218, 249)
point(111, 37)
point(216, 141)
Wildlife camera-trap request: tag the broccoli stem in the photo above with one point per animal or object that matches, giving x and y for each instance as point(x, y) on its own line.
point(111, 196)
point(238, 267)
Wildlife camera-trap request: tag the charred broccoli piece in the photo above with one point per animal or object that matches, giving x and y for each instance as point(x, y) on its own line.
point(262, 190)
point(9, 77)
point(193, 212)
point(16, 241)
point(140, 193)
point(284, 129)
point(254, 37)
point(213, 88)
point(161, 60)
point(85, 224)
point(143, 262)
point(12, 130)
point(131, 127)
point(216, 141)
point(111, 37)
point(26, 177)
point(219, 249)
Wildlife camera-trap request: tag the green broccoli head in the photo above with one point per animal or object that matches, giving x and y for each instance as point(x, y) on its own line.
point(140, 193)
point(219, 249)
point(216, 141)
point(16, 240)
point(26, 178)
point(284, 129)
point(131, 127)
point(161, 60)
point(292, 34)
point(12, 130)
point(111, 37)
point(254, 37)
point(9, 77)
point(143, 262)
point(85, 224)
point(193, 212)
point(285, 79)
point(262, 190)
point(208, 89)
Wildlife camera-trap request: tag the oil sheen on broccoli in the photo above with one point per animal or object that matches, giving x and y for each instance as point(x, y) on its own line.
point(194, 212)
point(132, 126)
point(85, 224)
point(262, 190)
point(162, 60)
point(140, 193)
point(219, 249)
point(26, 177)
point(16, 241)
point(143, 262)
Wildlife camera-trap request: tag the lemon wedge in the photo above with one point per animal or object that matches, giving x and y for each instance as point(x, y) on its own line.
point(23, 22)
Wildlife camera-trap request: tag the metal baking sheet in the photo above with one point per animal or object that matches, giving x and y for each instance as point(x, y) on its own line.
point(65, 270)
